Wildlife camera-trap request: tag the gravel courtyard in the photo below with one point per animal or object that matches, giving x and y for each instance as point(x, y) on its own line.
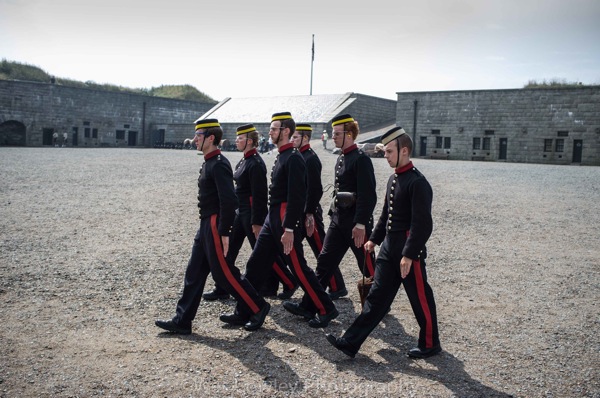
point(94, 244)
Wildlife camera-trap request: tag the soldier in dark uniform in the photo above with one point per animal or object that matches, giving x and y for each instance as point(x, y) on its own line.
point(250, 177)
point(404, 227)
point(352, 210)
point(217, 203)
point(312, 227)
point(281, 232)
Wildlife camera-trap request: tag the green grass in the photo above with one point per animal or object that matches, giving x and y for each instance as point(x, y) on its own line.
point(12, 70)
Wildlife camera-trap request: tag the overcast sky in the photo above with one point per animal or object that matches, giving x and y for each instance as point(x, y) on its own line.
point(263, 48)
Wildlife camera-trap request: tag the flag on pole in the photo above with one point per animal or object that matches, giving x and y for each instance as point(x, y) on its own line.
point(313, 47)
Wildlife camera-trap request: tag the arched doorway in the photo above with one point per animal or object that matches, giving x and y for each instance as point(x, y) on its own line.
point(12, 133)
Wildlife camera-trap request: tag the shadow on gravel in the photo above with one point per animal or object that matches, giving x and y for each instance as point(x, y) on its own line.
point(255, 357)
point(444, 368)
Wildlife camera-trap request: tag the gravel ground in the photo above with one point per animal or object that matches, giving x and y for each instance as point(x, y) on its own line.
point(94, 244)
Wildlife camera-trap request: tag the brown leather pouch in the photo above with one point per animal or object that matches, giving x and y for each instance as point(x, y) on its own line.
point(364, 286)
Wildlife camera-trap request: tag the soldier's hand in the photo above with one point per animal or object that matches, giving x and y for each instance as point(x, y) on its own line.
point(405, 265)
point(358, 235)
point(309, 224)
point(225, 241)
point(370, 246)
point(256, 230)
point(287, 240)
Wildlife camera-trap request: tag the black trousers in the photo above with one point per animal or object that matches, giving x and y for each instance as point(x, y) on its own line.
point(242, 229)
point(207, 257)
point(337, 242)
point(387, 281)
point(268, 246)
point(336, 282)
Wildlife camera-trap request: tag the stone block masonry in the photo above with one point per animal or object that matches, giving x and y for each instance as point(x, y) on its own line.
point(552, 126)
point(30, 112)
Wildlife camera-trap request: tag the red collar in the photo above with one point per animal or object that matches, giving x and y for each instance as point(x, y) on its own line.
point(404, 168)
point(251, 152)
point(304, 148)
point(212, 154)
point(285, 147)
point(350, 149)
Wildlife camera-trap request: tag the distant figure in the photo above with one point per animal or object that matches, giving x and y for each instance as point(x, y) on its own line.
point(324, 138)
point(55, 139)
point(261, 144)
point(65, 138)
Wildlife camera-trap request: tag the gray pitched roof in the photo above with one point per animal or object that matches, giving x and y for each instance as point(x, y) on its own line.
point(374, 134)
point(304, 108)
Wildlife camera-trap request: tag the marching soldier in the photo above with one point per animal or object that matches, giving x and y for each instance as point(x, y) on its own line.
point(352, 210)
point(217, 203)
point(250, 177)
point(403, 228)
point(281, 232)
point(312, 226)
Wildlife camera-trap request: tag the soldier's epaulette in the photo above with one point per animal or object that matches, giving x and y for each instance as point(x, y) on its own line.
point(417, 172)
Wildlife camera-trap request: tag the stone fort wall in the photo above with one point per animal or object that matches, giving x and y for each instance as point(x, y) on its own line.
point(553, 126)
point(30, 112)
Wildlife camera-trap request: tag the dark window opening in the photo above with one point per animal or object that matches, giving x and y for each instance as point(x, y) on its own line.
point(547, 145)
point(446, 142)
point(476, 143)
point(560, 145)
point(489, 132)
point(120, 134)
point(563, 134)
point(86, 132)
point(86, 123)
point(439, 142)
point(487, 143)
point(435, 132)
point(94, 133)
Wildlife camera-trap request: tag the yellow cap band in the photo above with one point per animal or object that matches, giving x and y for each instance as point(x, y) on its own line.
point(207, 125)
point(304, 128)
point(342, 121)
point(248, 130)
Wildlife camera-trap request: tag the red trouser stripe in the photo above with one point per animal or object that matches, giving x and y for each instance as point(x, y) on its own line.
point(300, 274)
point(282, 276)
point(225, 268)
point(424, 305)
point(416, 265)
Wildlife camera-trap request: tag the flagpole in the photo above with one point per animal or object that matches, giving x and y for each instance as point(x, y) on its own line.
point(312, 62)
